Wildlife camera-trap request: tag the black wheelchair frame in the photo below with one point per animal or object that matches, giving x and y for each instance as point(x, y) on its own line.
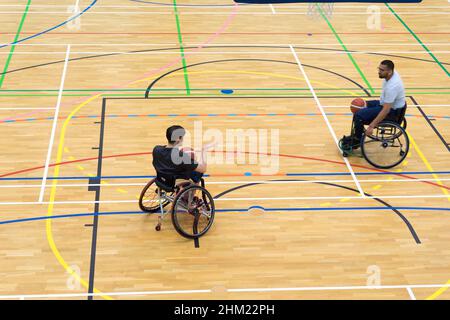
point(192, 208)
point(386, 147)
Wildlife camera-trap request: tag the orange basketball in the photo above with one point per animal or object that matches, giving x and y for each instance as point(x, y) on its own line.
point(357, 104)
point(189, 151)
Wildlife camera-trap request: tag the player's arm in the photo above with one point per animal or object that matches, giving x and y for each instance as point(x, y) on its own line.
point(202, 165)
point(383, 113)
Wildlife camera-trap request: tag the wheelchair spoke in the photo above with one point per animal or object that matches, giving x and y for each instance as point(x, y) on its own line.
point(193, 212)
point(387, 147)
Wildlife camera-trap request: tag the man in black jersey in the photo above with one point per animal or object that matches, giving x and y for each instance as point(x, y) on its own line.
point(172, 161)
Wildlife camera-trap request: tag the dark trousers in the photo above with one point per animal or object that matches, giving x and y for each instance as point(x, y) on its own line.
point(366, 115)
point(196, 176)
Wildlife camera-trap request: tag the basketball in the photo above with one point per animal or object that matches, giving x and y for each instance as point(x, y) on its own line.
point(357, 104)
point(189, 151)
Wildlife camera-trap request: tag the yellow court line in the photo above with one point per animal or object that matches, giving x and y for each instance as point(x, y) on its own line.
point(48, 228)
point(435, 176)
point(59, 156)
point(49, 232)
point(275, 75)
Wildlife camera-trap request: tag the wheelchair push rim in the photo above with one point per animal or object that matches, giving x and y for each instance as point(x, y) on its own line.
point(386, 147)
point(193, 212)
point(149, 200)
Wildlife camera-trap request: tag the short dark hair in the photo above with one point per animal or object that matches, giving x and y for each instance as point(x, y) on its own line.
point(388, 63)
point(175, 132)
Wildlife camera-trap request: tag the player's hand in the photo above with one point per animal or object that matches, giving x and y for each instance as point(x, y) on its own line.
point(369, 131)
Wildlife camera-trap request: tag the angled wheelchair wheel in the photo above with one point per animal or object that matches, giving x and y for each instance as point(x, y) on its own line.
point(193, 212)
point(149, 198)
point(387, 146)
point(404, 123)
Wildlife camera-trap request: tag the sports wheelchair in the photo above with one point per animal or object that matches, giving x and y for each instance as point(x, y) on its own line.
point(386, 147)
point(192, 208)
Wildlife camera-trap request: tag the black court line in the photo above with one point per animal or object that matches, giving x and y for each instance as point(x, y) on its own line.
point(405, 220)
point(425, 116)
point(211, 47)
point(149, 88)
point(388, 206)
point(97, 181)
point(100, 153)
point(229, 97)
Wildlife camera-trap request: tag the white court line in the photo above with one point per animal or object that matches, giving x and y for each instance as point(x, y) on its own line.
point(409, 105)
point(55, 122)
point(335, 198)
point(165, 52)
point(326, 120)
point(228, 44)
point(272, 8)
point(27, 108)
point(170, 292)
point(237, 199)
point(227, 183)
point(411, 293)
point(362, 6)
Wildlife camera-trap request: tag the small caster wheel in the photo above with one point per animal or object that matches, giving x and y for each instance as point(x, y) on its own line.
point(158, 227)
point(345, 154)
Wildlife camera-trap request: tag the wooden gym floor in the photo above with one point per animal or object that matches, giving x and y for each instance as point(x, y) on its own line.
point(77, 132)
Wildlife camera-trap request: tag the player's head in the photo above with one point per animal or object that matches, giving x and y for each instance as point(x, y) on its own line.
point(385, 69)
point(175, 134)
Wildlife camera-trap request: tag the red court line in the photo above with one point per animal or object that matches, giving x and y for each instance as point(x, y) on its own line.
point(227, 175)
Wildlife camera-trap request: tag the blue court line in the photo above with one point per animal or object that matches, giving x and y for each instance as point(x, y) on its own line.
point(52, 28)
point(172, 115)
point(262, 177)
point(75, 215)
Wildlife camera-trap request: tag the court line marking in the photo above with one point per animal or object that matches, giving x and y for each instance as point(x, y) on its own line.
point(236, 290)
point(224, 13)
point(272, 9)
point(349, 54)
point(242, 175)
point(418, 39)
point(59, 156)
point(233, 211)
point(55, 123)
point(27, 108)
point(234, 199)
point(326, 120)
point(411, 293)
point(226, 183)
point(362, 6)
point(180, 42)
point(223, 44)
point(328, 52)
point(49, 232)
point(52, 28)
point(13, 47)
point(429, 116)
point(51, 202)
point(409, 105)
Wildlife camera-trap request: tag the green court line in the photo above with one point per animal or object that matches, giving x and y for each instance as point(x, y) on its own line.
point(418, 40)
point(13, 47)
point(346, 50)
point(180, 41)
